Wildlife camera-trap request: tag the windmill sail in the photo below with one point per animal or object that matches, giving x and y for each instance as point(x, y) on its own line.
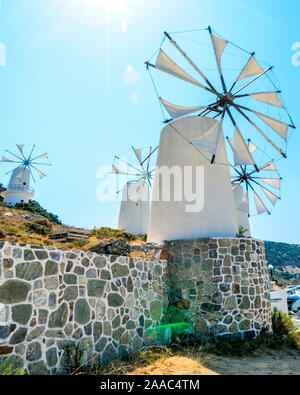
point(261, 208)
point(251, 147)
point(268, 97)
point(115, 170)
point(209, 141)
point(242, 155)
point(268, 166)
point(279, 127)
point(138, 153)
point(43, 156)
point(244, 205)
point(179, 111)
point(20, 147)
point(251, 68)
point(4, 159)
point(273, 182)
point(219, 46)
point(271, 196)
point(40, 174)
point(166, 64)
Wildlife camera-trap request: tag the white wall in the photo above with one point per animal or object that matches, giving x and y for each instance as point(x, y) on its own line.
point(242, 216)
point(281, 302)
point(169, 220)
point(135, 208)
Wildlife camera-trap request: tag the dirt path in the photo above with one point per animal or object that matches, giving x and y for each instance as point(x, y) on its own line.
point(215, 365)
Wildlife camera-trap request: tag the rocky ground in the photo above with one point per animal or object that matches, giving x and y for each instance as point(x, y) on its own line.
point(277, 364)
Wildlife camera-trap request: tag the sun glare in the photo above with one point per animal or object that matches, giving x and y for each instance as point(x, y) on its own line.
point(108, 4)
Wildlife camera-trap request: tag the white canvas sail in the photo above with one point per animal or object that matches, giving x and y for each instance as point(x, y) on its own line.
point(242, 155)
point(268, 97)
point(179, 111)
point(279, 127)
point(40, 174)
point(260, 207)
point(271, 196)
point(166, 64)
point(244, 205)
point(268, 166)
point(4, 159)
point(273, 182)
point(251, 147)
point(209, 141)
point(219, 46)
point(138, 153)
point(251, 68)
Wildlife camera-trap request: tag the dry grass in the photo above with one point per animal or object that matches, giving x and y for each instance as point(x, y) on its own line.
point(15, 230)
point(194, 360)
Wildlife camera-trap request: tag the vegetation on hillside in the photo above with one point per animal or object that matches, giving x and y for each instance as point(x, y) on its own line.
point(108, 233)
point(35, 208)
point(281, 254)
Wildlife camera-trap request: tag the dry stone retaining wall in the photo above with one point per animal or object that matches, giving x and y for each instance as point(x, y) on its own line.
point(221, 285)
point(50, 299)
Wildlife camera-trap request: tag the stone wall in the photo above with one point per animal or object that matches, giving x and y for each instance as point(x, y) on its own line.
point(51, 298)
point(221, 285)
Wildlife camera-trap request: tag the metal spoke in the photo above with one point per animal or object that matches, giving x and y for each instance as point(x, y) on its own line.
point(29, 157)
point(254, 79)
point(128, 164)
point(178, 76)
point(151, 154)
point(259, 130)
point(190, 61)
point(14, 155)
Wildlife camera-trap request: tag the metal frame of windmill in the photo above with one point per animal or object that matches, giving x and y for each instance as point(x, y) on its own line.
point(245, 168)
point(135, 208)
point(27, 165)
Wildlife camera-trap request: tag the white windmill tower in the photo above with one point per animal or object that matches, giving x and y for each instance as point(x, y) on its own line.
point(19, 189)
point(250, 105)
point(135, 204)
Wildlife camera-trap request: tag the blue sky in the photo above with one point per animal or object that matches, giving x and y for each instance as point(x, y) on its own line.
point(66, 89)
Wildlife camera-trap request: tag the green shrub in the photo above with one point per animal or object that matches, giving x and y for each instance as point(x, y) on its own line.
point(80, 243)
point(40, 226)
point(35, 208)
point(11, 229)
point(8, 369)
point(108, 233)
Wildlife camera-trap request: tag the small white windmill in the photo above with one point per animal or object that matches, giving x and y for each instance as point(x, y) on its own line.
point(135, 205)
point(262, 187)
point(18, 189)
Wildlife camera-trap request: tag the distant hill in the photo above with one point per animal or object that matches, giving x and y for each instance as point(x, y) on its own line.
point(282, 254)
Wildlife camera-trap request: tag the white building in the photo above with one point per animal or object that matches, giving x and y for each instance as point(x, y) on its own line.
point(135, 208)
point(242, 208)
point(18, 189)
point(214, 214)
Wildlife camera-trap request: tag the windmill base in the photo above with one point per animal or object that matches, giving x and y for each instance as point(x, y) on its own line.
point(220, 285)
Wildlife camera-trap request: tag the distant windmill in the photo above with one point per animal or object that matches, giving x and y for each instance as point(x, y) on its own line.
point(135, 206)
point(18, 189)
point(261, 186)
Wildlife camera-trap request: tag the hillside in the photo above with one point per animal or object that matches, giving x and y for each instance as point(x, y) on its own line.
point(21, 226)
point(282, 254)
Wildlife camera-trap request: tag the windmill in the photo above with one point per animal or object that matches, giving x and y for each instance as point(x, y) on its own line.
point(264, 185)
point(26, 165)
point(245, 100)
point(135, 209)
